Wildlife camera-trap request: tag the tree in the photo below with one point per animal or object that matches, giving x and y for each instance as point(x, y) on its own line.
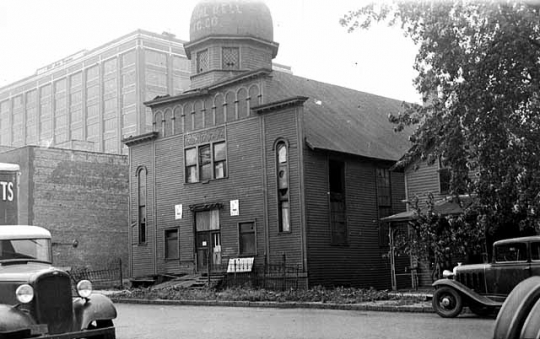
point(479, 74)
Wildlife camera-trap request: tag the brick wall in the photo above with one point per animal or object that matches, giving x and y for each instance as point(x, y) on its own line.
point(77, 195)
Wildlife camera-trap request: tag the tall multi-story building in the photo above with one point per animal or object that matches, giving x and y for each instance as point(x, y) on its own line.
point(92, 99)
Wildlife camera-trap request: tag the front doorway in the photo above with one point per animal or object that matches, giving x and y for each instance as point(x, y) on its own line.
point(208, 240)
point(208, 250)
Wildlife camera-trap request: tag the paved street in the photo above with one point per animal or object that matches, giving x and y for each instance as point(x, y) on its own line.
point(164, 322)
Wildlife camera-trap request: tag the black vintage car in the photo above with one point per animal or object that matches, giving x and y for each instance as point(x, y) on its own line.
point(36, 299)
point(484, 287)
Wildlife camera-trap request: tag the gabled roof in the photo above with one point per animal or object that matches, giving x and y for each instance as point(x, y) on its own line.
point(344, 120)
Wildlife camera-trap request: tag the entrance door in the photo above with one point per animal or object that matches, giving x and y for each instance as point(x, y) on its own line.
point(208, 250)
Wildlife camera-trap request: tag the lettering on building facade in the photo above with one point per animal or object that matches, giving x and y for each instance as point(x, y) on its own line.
point(204, 137)
point(208, 16)
point(6, 191)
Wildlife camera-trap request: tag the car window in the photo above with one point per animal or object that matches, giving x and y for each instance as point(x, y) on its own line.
point(511, 252)
point(535, 250)
point(37, 249)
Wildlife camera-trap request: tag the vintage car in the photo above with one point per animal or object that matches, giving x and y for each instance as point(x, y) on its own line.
point(484, 287)
point(37, 300)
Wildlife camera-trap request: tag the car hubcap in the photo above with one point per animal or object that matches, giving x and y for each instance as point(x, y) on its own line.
point(445, 302)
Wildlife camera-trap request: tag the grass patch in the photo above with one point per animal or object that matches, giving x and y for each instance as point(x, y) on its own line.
point(338, 295)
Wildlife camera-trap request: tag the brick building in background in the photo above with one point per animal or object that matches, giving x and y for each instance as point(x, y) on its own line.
point(254, 163)
point(77, 195)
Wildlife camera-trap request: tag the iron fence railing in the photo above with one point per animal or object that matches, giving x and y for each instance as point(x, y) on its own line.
point(273, 276)
point(110, 275)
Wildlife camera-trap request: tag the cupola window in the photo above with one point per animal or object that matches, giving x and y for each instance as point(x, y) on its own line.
point(230, 57)
point(202, 61)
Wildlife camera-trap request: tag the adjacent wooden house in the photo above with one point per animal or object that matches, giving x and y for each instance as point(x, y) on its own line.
point(261, 164)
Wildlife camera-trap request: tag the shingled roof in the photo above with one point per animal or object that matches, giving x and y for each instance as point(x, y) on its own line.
point(344, 120)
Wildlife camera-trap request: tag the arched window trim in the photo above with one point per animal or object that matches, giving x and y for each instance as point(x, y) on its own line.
point(283, 187)
point(142, 219)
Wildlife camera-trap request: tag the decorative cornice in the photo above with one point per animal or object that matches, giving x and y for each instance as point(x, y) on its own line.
point(192, 44)
point(138, 139)
point(205, 206)
point(204, 91)
point(272, 106)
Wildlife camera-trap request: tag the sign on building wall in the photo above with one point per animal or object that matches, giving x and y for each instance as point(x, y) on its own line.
point(235, 208)
point(178, 212)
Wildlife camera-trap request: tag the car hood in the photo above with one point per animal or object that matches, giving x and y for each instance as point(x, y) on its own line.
point(22, 272)
point(473, 267)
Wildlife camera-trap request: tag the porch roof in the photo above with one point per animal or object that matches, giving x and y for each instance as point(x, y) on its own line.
point(449, 206)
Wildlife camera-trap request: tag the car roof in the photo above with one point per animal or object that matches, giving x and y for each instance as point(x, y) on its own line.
point(23, 232)
point(514, 240)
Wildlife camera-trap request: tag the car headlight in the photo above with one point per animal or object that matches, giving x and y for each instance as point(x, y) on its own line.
point(447, 274)
point(25, 293)
point(84, 288)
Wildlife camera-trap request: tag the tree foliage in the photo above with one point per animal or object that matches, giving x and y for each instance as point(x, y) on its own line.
point(478, 66)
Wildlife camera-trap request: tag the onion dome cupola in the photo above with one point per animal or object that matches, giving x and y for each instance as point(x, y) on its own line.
point(228, 38)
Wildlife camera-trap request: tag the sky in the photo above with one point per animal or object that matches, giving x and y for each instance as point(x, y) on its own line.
point(35, 33)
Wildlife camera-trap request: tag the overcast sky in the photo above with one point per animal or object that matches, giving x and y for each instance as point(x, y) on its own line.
point(35, 33)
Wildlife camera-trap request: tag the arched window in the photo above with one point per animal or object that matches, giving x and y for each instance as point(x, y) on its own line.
point(282, 173)
point(141, 213)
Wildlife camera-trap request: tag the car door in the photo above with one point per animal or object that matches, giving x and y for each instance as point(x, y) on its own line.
point(511, 266)
point(535, 257)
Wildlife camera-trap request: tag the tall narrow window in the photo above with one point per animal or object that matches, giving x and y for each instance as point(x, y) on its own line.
point(284, 213)
point(191, 165)
point(202, 61)
point(141, 183)
point(171, 244)
point(205, 162)
point(338, 215)
point(220, 160)
point(384, 203)
point(247, 238)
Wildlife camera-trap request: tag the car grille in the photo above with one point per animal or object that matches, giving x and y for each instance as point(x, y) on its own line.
point(473, 280)
point(53, 303)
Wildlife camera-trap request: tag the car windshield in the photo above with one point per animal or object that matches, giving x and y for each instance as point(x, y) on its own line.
point(25, 249)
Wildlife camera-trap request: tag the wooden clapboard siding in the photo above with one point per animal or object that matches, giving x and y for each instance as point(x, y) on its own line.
point(282, 125)
point(361, 263)
point(142, 254)
point(422, 179)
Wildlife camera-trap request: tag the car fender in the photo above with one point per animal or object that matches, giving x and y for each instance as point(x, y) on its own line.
point(467, 292)
point(95, 307)
point(13, 320)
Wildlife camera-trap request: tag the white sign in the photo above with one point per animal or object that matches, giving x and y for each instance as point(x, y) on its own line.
point(177, 212)
point(240, 265)
point(235, 207)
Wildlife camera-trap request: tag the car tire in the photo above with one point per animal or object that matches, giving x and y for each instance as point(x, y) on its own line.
point(447, 302)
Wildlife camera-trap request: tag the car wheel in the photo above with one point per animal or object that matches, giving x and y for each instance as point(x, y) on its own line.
point(103, 324)
point(447, 302)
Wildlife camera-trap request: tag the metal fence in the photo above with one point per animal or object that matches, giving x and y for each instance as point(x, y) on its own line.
point(268, 276)
point(105, 277)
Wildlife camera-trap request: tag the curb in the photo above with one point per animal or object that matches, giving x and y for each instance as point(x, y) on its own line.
point(265, 304)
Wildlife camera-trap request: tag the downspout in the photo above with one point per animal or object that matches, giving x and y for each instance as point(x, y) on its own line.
point(303, 218)
point(155, 204)
point(265, 191)
point(130, 225)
